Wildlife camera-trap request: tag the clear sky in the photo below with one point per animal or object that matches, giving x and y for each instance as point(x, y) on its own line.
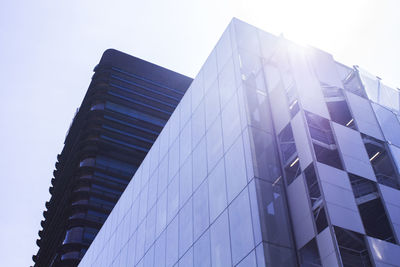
point(48, 50)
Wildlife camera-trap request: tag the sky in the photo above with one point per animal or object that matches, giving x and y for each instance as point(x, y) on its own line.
point(48, 50)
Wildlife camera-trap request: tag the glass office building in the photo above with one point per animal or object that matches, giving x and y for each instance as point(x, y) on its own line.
point(126, 106)
point(277, 155)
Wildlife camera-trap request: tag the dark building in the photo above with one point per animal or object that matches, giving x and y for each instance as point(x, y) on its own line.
point(125, 108)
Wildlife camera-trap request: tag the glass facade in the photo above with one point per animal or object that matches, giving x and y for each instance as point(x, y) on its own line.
point(276, 156)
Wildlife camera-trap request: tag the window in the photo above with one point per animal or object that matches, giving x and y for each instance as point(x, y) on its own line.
point(352, 247)
point(323, 141)
point(371, 209)
point(309, 255)
point(317, 204)
point(290, 159)
point(381, 162)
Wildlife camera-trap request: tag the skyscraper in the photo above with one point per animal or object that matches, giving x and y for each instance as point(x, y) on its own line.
point(126, 106)
point(277, 155)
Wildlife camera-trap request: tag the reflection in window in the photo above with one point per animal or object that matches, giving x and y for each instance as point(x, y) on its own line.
point(87, 162)
point(73, 235)
point(273, 212)
point(325, 147)
point(290, 159)
point(291, 93)
point(371, 209)
point(381, 162)
point(337, 106)
point(352, 247)
point(353, 84)
point(314, 193)
point(97, 106)
point(309, 255)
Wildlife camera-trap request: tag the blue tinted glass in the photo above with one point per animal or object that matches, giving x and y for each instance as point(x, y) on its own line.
point(200, 210)
point(172, 243)
point(220, 247)
point(185, 227)
point(241, 229)
point(185, 181)
point(173, 197)
point(199, 163)
point(235, 169)
point(217, 191)
point(202, 256)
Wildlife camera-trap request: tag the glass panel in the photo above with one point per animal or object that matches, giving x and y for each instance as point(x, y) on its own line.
point(241, 230)
point(198, 124)
point(212, 105)
point(220, 245)
point(227, 83)
point(185, 181)
point(389, 124)
point(231, 127)
point(273, 213)
point(199, 163)
point(173, 198)
point(173, 159)
point(185, 227)
point(186, 142)
point(159, 258)
point(161, 213)
point(172, 243)
point(217, 190)
point(265, 157)
point(235, 169)
point(202, 256)
point(200, 210)
point(214, 143)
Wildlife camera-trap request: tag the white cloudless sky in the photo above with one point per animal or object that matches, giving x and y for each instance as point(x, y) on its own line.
point(48, 50)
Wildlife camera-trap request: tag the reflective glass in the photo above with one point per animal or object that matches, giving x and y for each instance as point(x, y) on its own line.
point(220, 248)
point(249, 261)
point(173, 198)
point(200, 210)
point(159, 257)
point(265, 158)
point(235, 165)
point(185, 227)
point(185, 181)
point(217, 191)
point(162, 176)
point(241, 230)
point(227, 83)
point(389, 124)
point(224, 49)
point(140, 241)
point(173, 160)
point(172, 243)
point(246, 36)
point(273, 213)
point(161, 213)
point(212, 106)
point(186, 142)
point(198, 124)
point(187, 259)
point(202, 256)
point(152, 197)
point(214, 143)
point(148, 259)
point(210, 70)
point(199, 163)
point(231, 128)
